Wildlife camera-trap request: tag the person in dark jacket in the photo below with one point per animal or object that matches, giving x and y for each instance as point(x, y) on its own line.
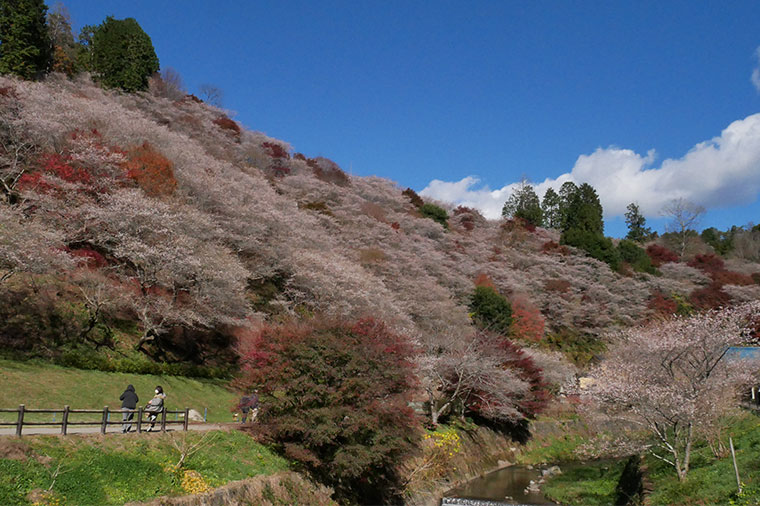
point(129, 401)
point(249, 403)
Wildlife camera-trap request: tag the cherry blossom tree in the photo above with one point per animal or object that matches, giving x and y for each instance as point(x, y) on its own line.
point(671, 378)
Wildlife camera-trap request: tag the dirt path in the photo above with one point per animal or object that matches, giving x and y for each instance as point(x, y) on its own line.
point(113, 429)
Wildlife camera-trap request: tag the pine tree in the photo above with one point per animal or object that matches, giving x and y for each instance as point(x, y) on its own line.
point(637, 230)
point(123, 55)
point(551, 208)
point(524, 203)
point(25, 48)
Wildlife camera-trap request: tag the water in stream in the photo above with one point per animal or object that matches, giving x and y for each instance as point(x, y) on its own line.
point(505, 486)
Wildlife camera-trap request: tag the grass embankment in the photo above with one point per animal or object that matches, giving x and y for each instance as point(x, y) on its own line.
point(710, 480)
point(40, 385)
point(89, 470)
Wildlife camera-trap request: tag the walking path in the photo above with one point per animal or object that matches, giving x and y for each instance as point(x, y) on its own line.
point(113, 429)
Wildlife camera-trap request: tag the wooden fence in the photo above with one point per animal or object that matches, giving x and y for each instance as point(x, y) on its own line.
point(104, 419)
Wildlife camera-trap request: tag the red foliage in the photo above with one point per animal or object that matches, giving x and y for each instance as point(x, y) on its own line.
point(527, 322)
point(328, 171)
point(299, 156)
point(483, 279)
point(228, 125)
point(275, 150)
point(552, 247)
point(59, 166)
point(557, 285)
point(724, 277)
point(34, 181)
point(709, 297)
point(415, 199)
point(537, 398)
point(152, 171)
point(708, 263)
point(514, 224)
point(90, 257)
point(395, 225)
point(279, 170)
point(662, 305)
point(8, 91)
point(661, 255)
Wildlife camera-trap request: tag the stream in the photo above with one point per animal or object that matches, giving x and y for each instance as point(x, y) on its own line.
point(503, 486)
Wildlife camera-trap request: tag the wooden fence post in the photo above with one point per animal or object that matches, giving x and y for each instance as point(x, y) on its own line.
point(20, 421)
point(163, 420)
point(65, 421)
point(139, 420)
point(187, 418)
point(104, 423)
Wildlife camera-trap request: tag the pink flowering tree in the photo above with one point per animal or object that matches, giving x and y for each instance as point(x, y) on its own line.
point(672, 379)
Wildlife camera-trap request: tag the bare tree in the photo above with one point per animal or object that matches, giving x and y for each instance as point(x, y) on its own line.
point(670, 377)
point(212, 94)
point(685, 216)
point(168, 84)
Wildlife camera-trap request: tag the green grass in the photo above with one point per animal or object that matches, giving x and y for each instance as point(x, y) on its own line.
point(551, 449)
point(41, 385)
point(592, 484)
point(711, 480)
point(90, 470)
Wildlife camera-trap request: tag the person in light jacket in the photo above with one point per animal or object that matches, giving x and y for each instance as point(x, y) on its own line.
point(155, 406)
point(129, 402)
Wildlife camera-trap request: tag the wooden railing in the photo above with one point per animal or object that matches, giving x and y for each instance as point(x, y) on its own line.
point(104, 419)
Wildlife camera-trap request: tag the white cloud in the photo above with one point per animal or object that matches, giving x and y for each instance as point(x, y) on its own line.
point(755, 77)
point(721, 172)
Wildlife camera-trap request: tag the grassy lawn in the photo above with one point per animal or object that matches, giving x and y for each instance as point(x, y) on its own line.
point(591, 484)
point(710, 480)
point(90, 470)
point(41, 385)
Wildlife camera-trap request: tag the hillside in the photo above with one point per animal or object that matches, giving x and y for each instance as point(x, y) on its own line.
point(148, 192)
point(145, 235)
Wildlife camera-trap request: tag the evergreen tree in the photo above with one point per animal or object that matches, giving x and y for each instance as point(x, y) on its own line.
point(637, 231)
point(551, 207)
point(584, 211)
point(123, 55)
point(566, 194)
point(524, 203)
point(25, 48)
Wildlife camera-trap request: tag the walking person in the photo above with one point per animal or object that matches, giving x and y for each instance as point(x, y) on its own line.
point(129, 402)
point(155, 406)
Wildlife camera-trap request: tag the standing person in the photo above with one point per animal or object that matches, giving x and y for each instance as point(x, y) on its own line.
point(250, 403)
point(129, 402)
point(155, 406)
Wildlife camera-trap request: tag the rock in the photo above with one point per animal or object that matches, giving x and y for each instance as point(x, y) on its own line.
point(195, 416)
point(503, 463)
point(551, 471)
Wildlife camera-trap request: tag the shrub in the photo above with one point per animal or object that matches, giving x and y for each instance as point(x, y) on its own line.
point(415, 199)
point(661, 255)
point(553, 247)
point(152, 171)
point(557, 285)
point(275, 150)
point(328, 171)
point(636, 256)
point(527, 321)
point(334, 399)
point(709, 297)
point(490, 310)
point(228, 125)
point(579, 347)
point(318, 206)
point(708, 263)
point(436, 214)
point(596, 245)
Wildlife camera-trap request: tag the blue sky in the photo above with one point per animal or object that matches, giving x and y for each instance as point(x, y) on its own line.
point(647, 101)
